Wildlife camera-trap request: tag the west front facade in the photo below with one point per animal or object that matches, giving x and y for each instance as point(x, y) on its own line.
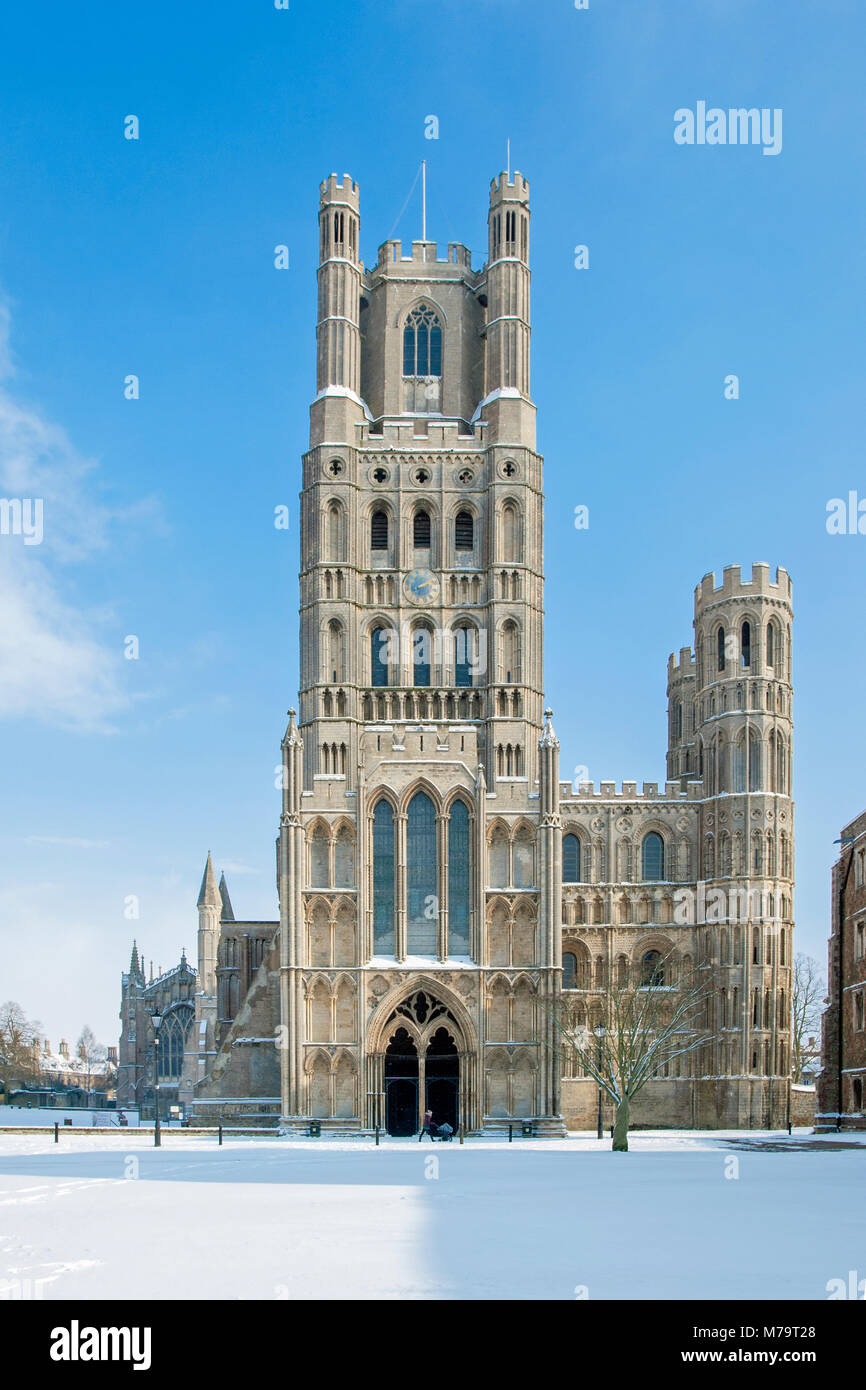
point(443, 896)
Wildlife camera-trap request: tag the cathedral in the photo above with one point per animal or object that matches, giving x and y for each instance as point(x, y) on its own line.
point(443, 896)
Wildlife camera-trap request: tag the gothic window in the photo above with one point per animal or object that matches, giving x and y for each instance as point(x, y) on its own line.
point(510, 525)
point(319, 869)
point(746, 644)
point(510, 652)
point(379, 643)
point(652, 857)
point(524, 859)
point(464, 531)
point(172, 1036)
point(465, 655)
point(422, 361)
point(772, 645)
point(459, 880)
point(383, 879)
point(334, 547)
point(571, 859)
point(379, 531)
point(344, 858)
point(754, 761)
point(335, 672)
point(720, 649)
point(652, 971)
point(421, 875)
point(422, 644)
point(421, 530)
point(498, 858)
point(738, 765)
point(569, 970)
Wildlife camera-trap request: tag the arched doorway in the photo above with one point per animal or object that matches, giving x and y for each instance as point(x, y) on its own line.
point(401, 1084)
point(419, 1057)
point(442, 1078)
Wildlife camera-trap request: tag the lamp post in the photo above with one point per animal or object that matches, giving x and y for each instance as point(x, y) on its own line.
point(156, 1020)
point(599, 1034)
point(845, 841)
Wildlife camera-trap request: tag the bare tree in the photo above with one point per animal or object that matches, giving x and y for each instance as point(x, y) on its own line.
point(638, 1025)
point(90, 1052)
point(809, 988)
point(19, 1036)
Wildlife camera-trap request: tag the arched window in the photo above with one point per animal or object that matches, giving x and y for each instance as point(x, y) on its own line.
point(772, 645)
point(422, 343)
point(464, 531)
point(334, 549)
point(523, 858)
point(570, 859)
point(459, 880)
point(421, 530)
point(652, 971)
point(421, 876)
point(746, 644)
point(335, 672)
point(422, 646)
point(653, 858)
point(379, 652)
point(344, 858)
point(172, 1037)
point(379, 531)
point(738, 764)
point(510, 532)
point(510, 652)
point(498, 857)
point(319, 868)
point(383, 879)
point(569, 970)
point(754, 761)
point(465, 655)
point(720, 649)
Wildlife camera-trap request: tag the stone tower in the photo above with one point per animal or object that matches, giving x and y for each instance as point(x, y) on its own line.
point(740, 725)
point(417, 745)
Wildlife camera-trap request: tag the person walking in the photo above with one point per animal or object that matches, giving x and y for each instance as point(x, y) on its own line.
point(427, 1127)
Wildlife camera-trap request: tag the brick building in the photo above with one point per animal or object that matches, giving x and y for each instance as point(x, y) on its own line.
point(840, 1085)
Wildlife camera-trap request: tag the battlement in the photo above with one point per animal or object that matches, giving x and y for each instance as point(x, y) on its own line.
point(682, 668)
point(733, 586)
point(514, 189)
point(345, 190)
point(607, 792)
point(424, 253)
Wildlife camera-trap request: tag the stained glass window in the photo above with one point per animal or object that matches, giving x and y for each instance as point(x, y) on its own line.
point(383, 879)
point(379, 656)
point(422, 343)
point(421, 875)
point(459, 879)
point(653, 857)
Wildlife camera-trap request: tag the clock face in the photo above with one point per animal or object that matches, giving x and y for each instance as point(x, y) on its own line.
point(421, 586)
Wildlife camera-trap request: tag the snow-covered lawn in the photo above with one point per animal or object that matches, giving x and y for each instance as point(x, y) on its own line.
point(109, 1216)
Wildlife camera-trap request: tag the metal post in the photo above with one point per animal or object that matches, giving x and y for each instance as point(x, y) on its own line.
point(510, 1127)
point(377, 1136)
point(157, 1135)
point(220, 1128)
point(56, 1132)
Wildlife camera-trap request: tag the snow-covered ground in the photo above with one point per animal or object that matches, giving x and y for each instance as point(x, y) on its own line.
point(683, 1215)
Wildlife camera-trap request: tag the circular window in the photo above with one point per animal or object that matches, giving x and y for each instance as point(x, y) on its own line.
point(466, 477)
point(421, 476)
point(335, 468)
point(379, 475)
point(508, 469)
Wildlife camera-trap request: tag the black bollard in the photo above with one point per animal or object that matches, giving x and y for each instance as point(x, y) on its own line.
point(220, 1130)
point(56, 1132)
point(377, 1136)
point(510, 1127)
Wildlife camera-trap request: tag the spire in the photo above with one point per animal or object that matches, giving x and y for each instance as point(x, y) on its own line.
point(548, 737)
point(134, 967)
point(227, 914)
point(209, 895)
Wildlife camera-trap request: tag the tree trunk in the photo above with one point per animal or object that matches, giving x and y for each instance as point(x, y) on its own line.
point(620, 1129)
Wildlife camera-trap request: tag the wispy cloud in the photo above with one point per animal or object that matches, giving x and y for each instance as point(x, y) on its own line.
point(56, 664)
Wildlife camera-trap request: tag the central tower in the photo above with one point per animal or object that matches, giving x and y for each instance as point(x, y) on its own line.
point(419, 899)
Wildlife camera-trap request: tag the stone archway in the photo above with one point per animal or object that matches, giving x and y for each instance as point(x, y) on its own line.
point(421, 1049)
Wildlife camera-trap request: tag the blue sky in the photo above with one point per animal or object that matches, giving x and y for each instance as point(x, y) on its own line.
point(155, 257)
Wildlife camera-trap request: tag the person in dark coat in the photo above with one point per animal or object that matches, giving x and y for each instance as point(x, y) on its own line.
point(427, 1127)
